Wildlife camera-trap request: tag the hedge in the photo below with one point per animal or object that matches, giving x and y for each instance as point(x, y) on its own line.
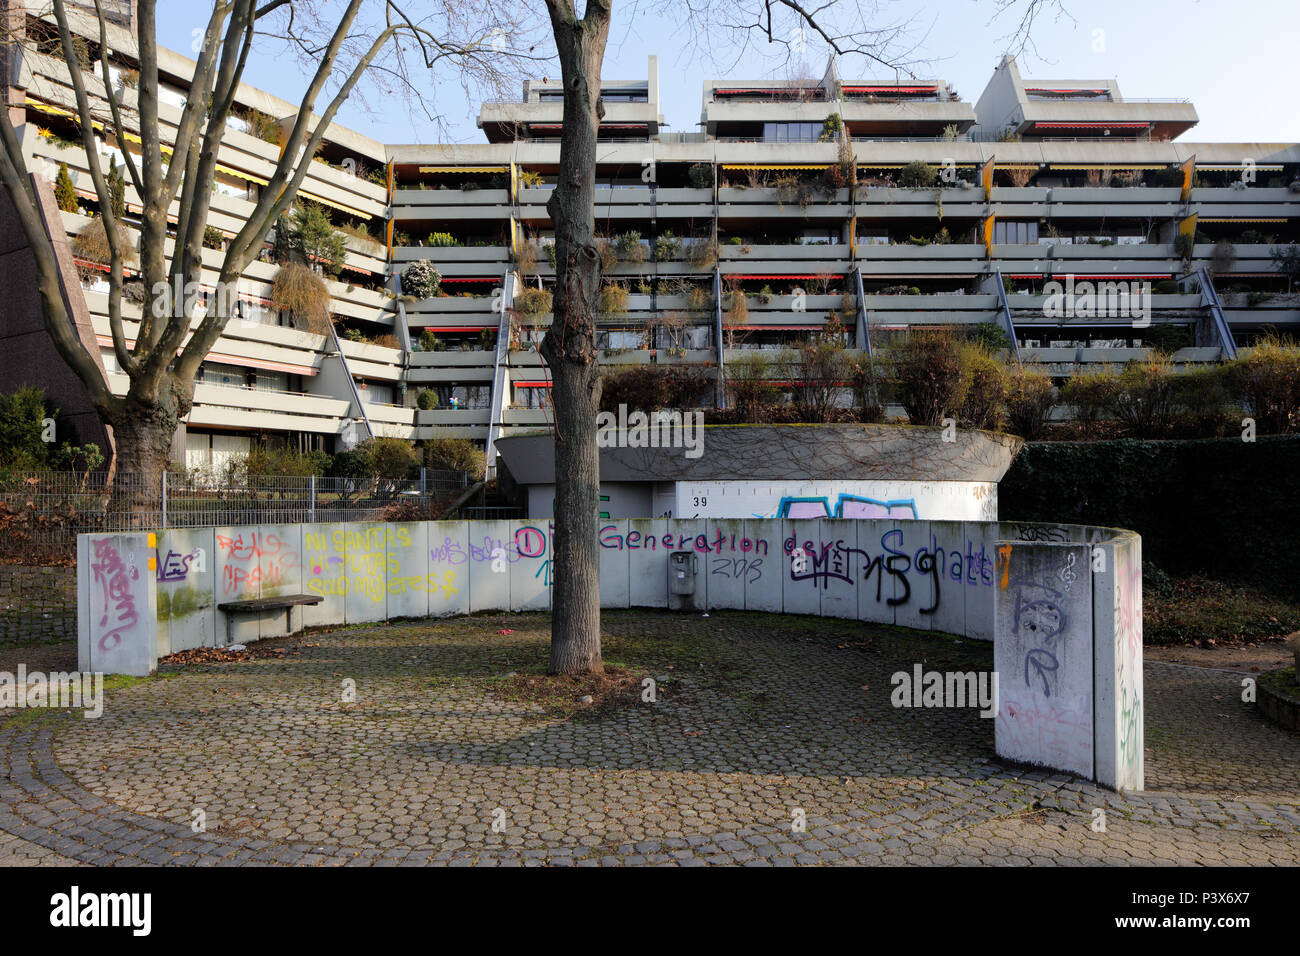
point(1221, 507)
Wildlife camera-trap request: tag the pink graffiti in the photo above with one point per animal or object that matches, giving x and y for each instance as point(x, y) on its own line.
point(114, 579)
point(1045, 733)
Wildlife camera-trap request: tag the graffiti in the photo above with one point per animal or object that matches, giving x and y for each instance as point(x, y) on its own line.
point(847, 506)
point(255, 560)
point(1128, 658)
point(1041, 533)
point(739, 569)
point(1038, 617)
point(115, 583)
point(1062, 736)
point(176, 566)
point(826, 562)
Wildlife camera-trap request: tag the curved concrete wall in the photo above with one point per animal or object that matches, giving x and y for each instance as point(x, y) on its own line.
point(1062, 603)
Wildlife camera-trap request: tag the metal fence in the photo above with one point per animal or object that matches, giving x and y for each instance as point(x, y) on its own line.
point(41, 513)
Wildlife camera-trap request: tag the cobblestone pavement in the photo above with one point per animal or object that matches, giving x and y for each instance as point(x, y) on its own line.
point(761, 718)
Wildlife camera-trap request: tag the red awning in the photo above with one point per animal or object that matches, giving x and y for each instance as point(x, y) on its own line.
point(890, 89)
point(1093, 278)
point(1092, 125)
point(532, 384)
point(823, 275)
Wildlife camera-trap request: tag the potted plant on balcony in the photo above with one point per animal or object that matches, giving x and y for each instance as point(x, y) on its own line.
point(421, 279)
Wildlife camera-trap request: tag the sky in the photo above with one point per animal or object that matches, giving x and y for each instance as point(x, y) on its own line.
point(1236, 61)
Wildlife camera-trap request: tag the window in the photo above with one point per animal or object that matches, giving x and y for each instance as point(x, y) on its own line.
point(792, 132)
point(1011, 232)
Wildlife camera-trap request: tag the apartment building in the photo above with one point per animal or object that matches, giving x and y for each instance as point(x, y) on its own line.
point(1082, 225)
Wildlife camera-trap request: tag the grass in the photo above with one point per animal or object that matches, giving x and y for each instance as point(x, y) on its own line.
point(1282, 683)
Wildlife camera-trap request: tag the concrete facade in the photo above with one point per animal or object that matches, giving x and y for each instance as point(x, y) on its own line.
point(1039, 181)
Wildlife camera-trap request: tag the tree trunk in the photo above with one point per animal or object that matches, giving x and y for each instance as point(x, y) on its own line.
point(143, 431)
point(570, 348)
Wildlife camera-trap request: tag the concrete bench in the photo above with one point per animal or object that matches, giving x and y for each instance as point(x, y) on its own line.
point(287, 602)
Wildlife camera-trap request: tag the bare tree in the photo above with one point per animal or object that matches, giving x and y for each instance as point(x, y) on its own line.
point(342, 48)
point(848, 29)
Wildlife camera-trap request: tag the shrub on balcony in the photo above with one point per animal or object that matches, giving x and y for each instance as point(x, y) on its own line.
point(65, 193)
point(667, 246)
point(213, 238)
point(534, 302)
point(737, 306)
point(1286, 259)
point(1030, 398)
point(313, 237)
point(426, 400)
point(429, 342)
point(300, 292)
point(421, 279)
point(917, 174)
point(441, 240)
point(91, 245)
point(832, 127)
point(700, 175)
point(613, 298)
point(702, 253)
point(628, 247)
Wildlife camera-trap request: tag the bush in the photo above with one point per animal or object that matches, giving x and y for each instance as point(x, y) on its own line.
point(442, 239)
point(213, 238)
point(932, 377)
point(628, 247)
point(429, 342)
point(426, 400)
point(454, 454)
point(65, 193)
point(749, 379)
point(613, 298)
point(1090, 393)
point(281, 459)
point(533, 302)
point(982, 407)
point(1144, 400)
point(381, 458)
point(700, 176)
point(917, 174)
point(1267, 380)
point(643, 388)
point(1030, 399)
point(299, 291)
point(421, 279)
point(667, 246)
point(1203, 401)
point(990, 336)
point(313, 237)
point(22, 423)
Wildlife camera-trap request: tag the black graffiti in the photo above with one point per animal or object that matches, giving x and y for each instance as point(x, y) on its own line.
point(1043, 662)
point(828, 562)
point(748, 570)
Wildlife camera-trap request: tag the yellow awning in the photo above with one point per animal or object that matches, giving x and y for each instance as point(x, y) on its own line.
point(1234, 219)
point(1238, 167)
point(334, 205)
point(771, 166)
point(240, 174)
point(47, 108)
point(464, 169)
point(1117, 167)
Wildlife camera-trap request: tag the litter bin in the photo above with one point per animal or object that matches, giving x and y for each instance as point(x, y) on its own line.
point(682, 567)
